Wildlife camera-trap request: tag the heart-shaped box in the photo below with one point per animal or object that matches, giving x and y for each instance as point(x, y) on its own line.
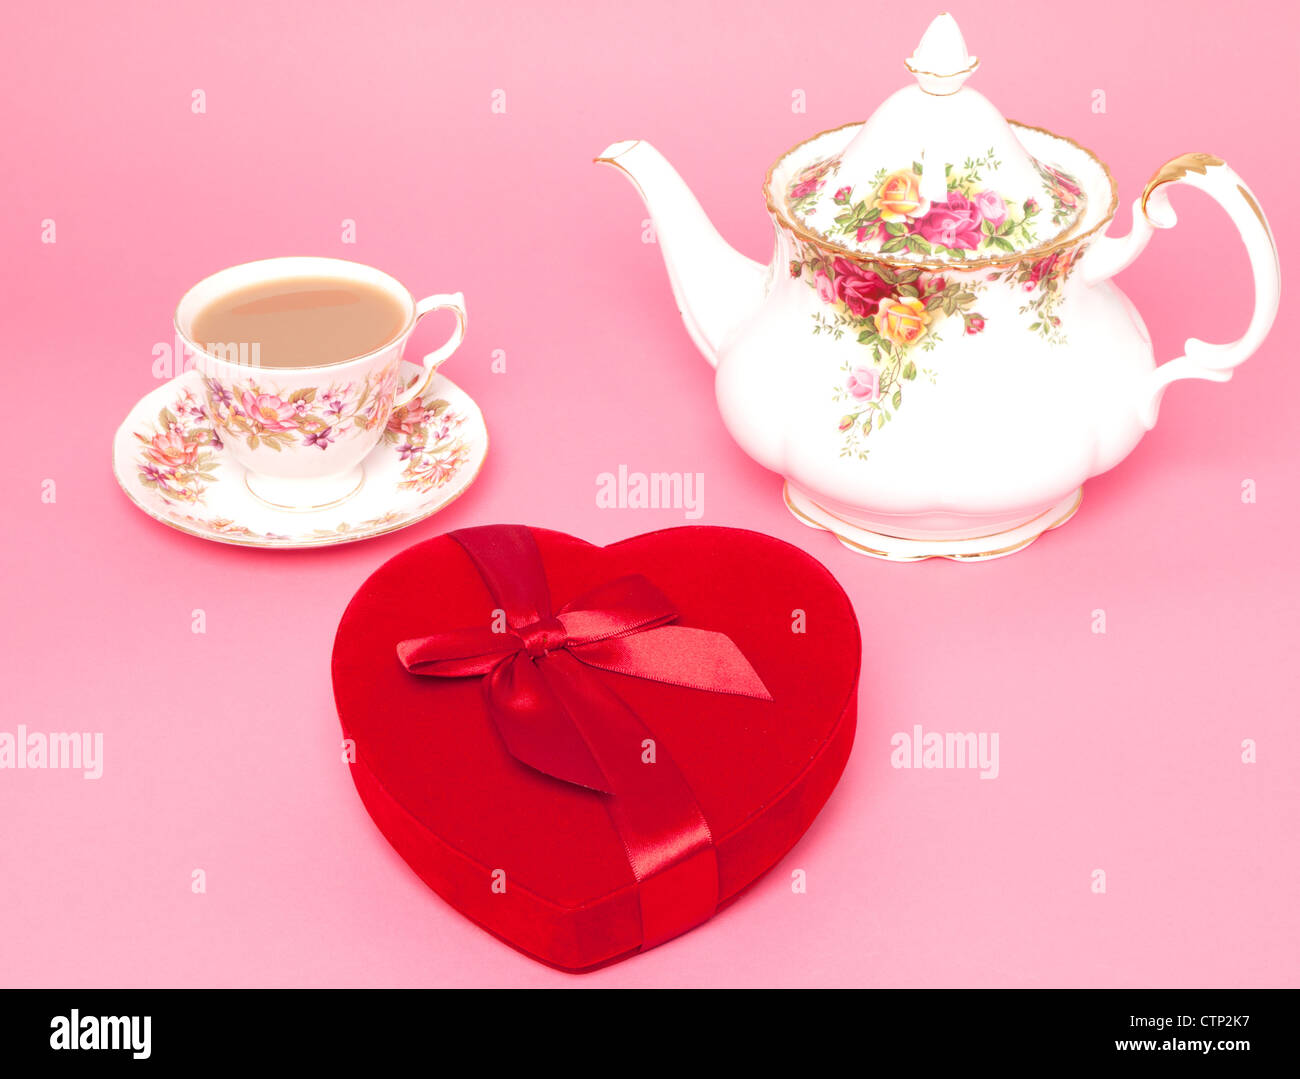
point(549, 866)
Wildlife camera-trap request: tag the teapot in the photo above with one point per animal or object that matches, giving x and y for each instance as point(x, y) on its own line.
point(937, 356)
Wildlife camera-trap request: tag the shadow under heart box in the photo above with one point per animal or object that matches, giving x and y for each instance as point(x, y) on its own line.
point(590, 750)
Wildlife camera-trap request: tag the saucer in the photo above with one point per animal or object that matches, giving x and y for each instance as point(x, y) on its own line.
point(171, 463)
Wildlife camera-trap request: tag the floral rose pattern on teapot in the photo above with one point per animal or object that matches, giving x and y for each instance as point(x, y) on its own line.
point(896, 311)
point(893, 217)
point(1067, 195)
point(803, 193)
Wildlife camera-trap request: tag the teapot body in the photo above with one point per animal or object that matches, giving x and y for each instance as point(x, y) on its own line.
point(938, 406)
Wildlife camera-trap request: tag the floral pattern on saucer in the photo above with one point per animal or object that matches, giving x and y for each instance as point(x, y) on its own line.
point(424, 432)
point(179, 450)
point(169, 459)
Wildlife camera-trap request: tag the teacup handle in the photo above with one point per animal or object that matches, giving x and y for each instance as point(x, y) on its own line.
point(454, 301)
point(1152, 211)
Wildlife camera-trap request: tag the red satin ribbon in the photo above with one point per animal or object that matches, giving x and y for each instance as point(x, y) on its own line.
point(554, 716)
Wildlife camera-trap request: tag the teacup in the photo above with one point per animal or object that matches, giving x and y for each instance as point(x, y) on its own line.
point(301, 433)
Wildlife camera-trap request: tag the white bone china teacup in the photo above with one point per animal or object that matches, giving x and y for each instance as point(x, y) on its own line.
point(301, 433)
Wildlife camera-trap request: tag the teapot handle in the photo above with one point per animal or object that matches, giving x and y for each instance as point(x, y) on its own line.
point(1152, 211)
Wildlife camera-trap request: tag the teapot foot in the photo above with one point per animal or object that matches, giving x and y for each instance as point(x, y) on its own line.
point(899, 547)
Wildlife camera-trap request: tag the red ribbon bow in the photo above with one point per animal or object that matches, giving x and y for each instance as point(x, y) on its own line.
point(541, 704)
point(555, 716)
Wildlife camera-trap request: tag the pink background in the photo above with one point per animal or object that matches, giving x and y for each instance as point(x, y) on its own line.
point(1118, 752)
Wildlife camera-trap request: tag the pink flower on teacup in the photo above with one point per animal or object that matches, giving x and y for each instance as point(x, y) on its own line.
point(269, 411)
point(190, 407)
point(863, 383)
point(377, 407)
point(990, 206)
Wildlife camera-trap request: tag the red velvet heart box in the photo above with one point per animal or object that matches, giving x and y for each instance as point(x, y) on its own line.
point(590, 868)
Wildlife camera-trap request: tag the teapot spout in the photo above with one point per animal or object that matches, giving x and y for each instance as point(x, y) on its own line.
point(716, 287)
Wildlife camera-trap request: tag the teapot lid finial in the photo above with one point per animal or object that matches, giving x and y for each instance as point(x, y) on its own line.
point(940, 62)
point(936, 174)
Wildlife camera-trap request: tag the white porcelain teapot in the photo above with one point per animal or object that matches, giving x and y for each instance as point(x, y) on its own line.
point(936, 357)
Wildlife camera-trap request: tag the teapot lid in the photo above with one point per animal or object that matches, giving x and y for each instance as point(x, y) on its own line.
point(936, 174)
